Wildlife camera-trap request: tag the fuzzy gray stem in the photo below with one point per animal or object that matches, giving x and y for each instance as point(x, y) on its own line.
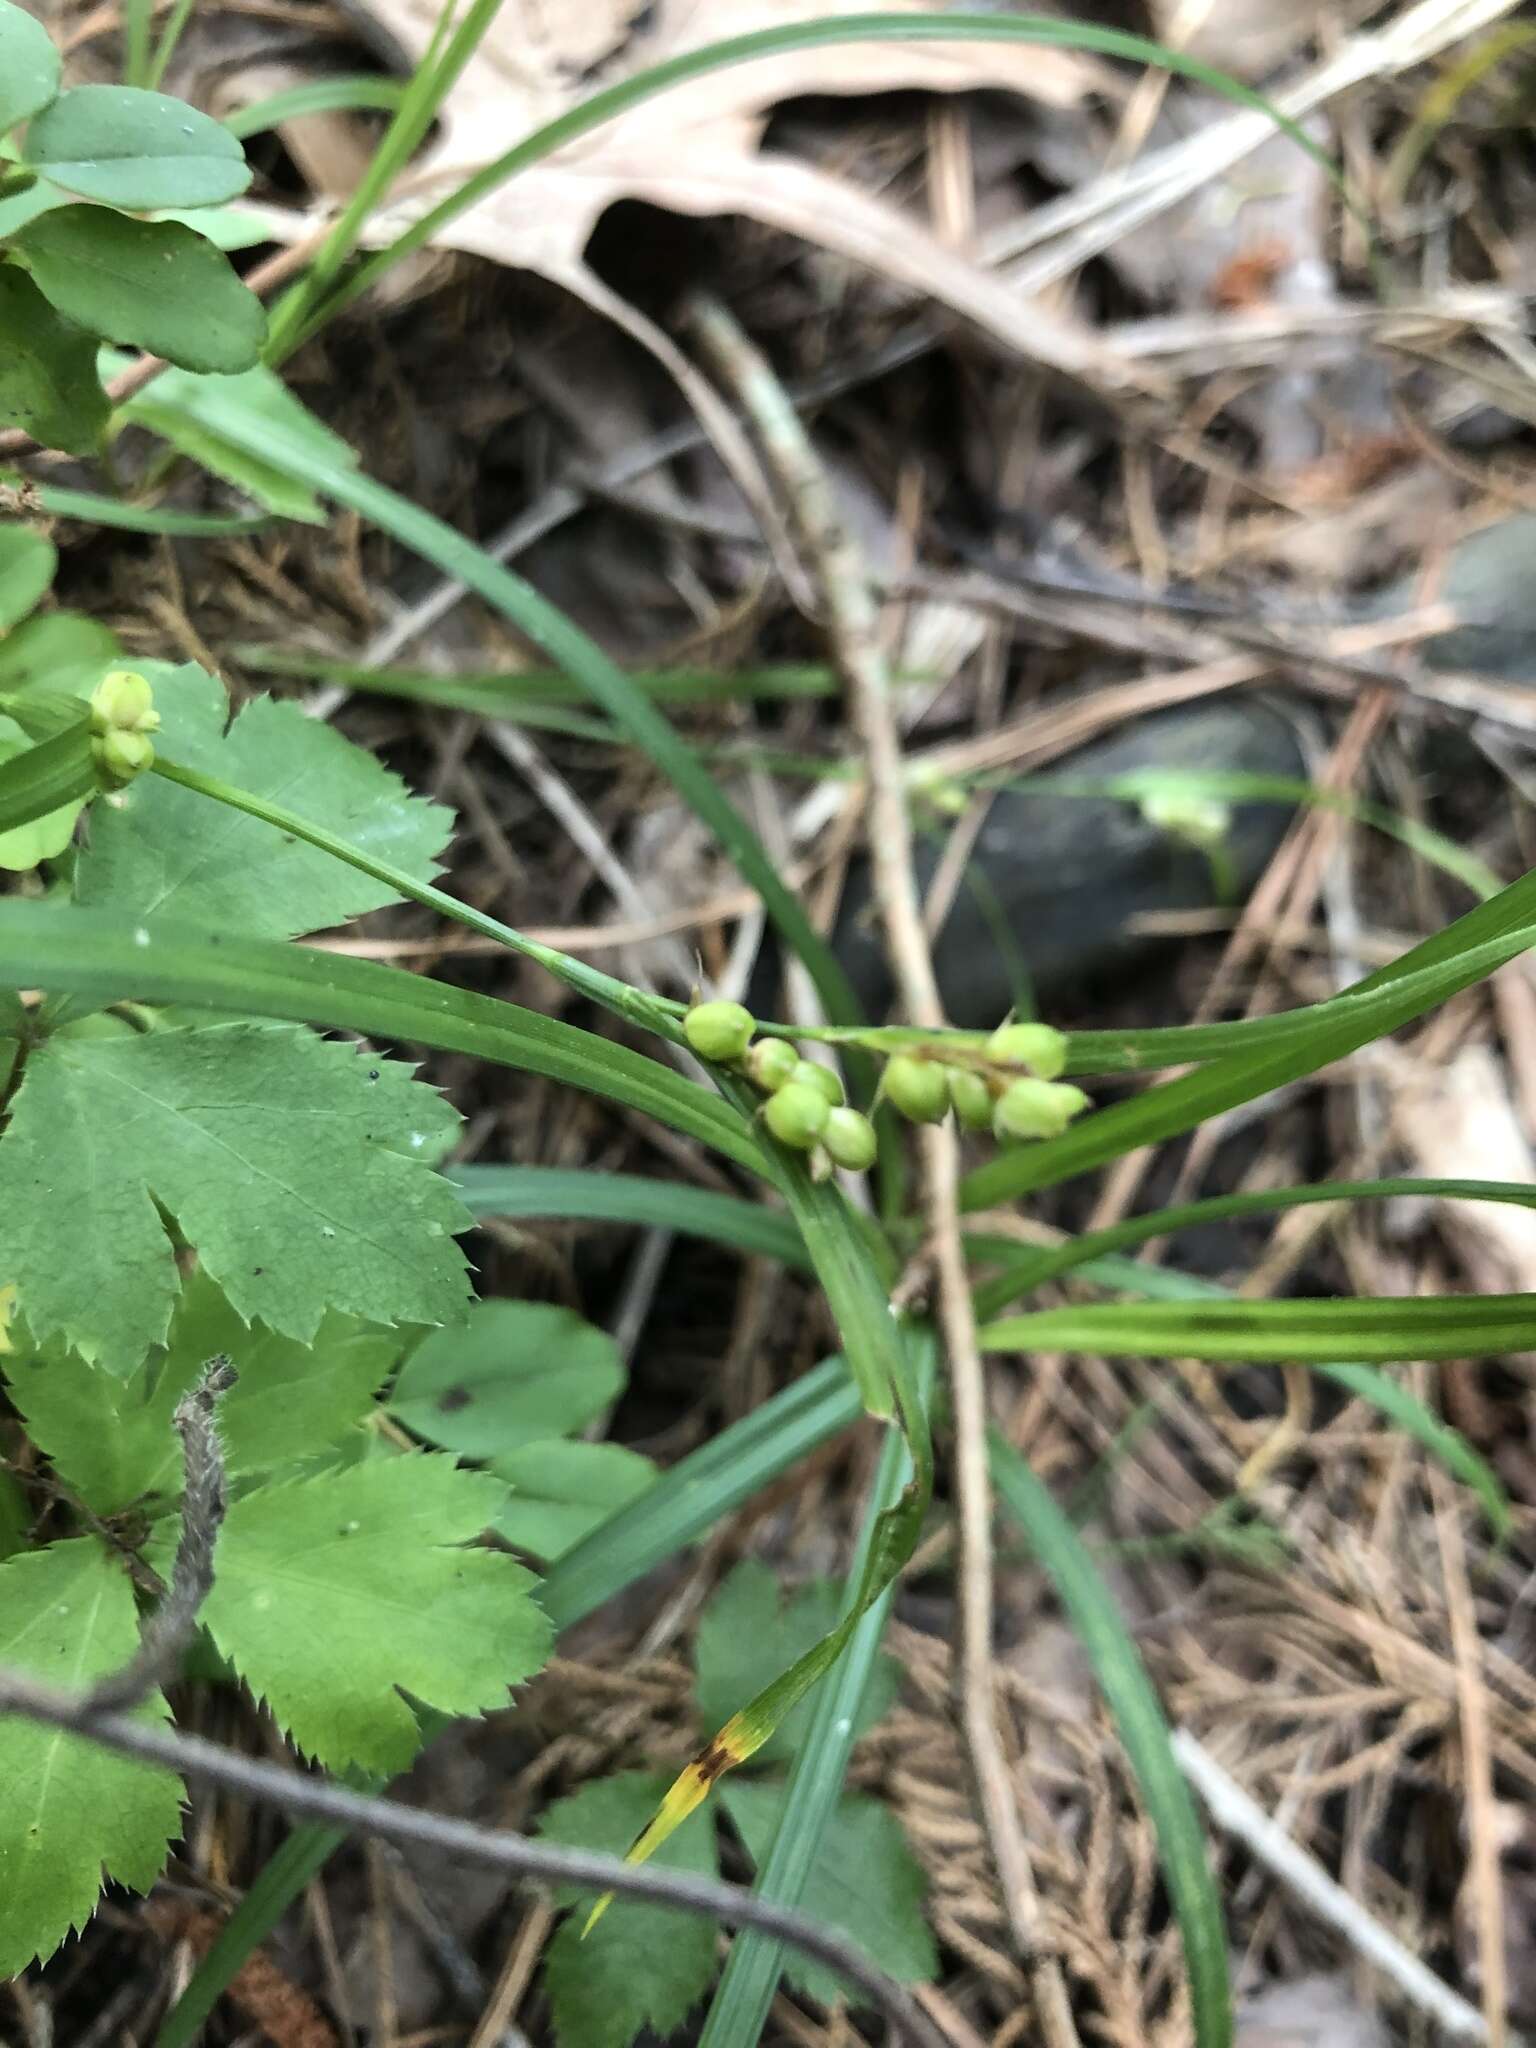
point(170, 1628)
point(191, 1756)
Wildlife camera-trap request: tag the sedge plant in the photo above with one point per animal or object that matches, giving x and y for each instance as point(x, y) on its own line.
point(208, 1147)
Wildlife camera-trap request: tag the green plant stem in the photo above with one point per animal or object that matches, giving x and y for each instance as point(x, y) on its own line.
point(170, 36)
point(1031, 1269)
point(651, 1013)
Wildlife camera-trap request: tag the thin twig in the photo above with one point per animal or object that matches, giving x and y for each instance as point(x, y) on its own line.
point(172, 1625)
point(853, 624)
point(1238, 1815)
point(191, 1756)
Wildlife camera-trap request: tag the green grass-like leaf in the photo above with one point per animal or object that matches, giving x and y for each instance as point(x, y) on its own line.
point(865, 1881)
point(225, 412)
point(785, 1865)
point(95, 954)
point(1143, 1731)
point(1305, 1332)
point(592, 1196)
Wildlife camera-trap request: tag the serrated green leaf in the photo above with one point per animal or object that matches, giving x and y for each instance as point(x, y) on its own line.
point(290, 1163)
point(562, 1491)
point(640, 1965)
point(45, 836)
point(514, 1373)
point(27, 562)
point(29, 66)
point(48, 382)
point(59, 651)
point(164, 851)
point(140, 150)
point(71, 1812)
point(371, 1562)
point(746, 1639)
point(866, 1882)
point(111, 1439)
point(270, 486)
point(150, 284)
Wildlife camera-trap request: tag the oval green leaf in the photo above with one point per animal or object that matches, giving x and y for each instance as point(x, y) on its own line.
point(515, 1373)
point(29, 66)
point(153, 284)
point(137, 149)
point(27, 562)
point(48, 382)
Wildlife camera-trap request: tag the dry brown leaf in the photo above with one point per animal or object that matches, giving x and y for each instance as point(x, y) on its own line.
point(1458, 1120)
point(697, 150)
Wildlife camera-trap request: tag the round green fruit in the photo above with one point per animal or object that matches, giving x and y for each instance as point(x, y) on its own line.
point(1037, 1109)
point(814, 1075)
point(971, 1097)
point(850, 1138)
point(1039, 1047)
point(918, 1088)
point(719, 1031)
point(771, 1062)
point(797, 1115)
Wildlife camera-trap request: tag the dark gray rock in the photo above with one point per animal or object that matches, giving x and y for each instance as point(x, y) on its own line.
point(1064, 877)
point(1491, 580)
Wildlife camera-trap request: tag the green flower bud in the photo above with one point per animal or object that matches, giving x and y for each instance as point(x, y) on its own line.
point(1040, 1047)
point(850, 1139)
point(771, 1062)
point(814, 1075)
point(918, 1088)
point(1200, 821)
point(120, 756)
point(719, 1031)
point(1037, 1109)
point(123, 702)
point(972, 1098)
point(797, 1115)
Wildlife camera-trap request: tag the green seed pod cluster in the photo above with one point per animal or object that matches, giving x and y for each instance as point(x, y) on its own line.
point(1013, 1092)
point(806, 1108)
point(123, 716)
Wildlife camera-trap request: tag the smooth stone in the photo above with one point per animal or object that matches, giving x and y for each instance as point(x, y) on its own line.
point(1066, 875)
